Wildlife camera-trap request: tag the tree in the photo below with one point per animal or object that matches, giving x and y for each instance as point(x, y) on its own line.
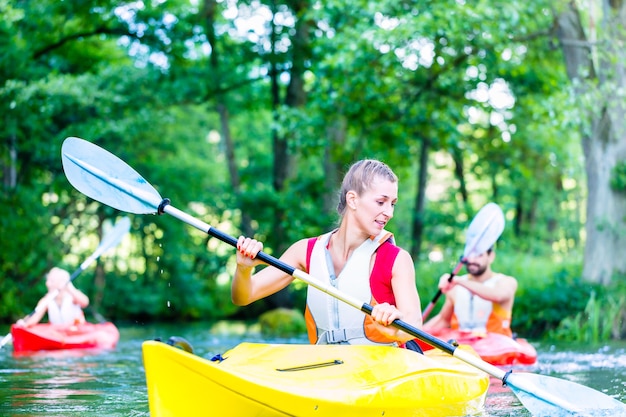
point(595, 59)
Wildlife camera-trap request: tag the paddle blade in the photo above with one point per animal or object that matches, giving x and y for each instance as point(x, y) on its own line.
point(111, 239)
point(114, 236)
point(484, 230)
point(549, 396)
point(104, 177)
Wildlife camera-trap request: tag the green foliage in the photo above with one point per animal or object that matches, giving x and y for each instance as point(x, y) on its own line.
point(28, 248)
point(282, 322)
point(539, 309)
point(160, 85)
point(597, 323)
point(618, 177)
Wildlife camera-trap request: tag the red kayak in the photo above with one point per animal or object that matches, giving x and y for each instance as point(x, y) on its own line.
point(45, 336)
point(497, 349)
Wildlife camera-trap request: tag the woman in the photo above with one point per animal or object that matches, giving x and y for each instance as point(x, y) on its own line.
point(63, 302)
point(359, 258)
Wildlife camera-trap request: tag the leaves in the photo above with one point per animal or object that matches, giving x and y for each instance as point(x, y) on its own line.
point(146, 80)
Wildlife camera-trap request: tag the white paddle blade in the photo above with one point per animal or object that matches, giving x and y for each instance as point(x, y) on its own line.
point(549, 396)
point(111, 239)
point(114, 236)
point(104, 177)
point(484, 230)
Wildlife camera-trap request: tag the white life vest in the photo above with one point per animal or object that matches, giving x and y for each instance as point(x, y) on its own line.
point(336, 321)
point(66, 313)
point(471, 311)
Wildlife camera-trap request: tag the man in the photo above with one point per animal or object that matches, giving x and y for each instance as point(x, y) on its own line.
point(480, 302)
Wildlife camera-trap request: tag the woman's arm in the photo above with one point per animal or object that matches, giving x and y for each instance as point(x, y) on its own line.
point(38, 313)
point(78, 296)
point(407, 299)
point(247, 286)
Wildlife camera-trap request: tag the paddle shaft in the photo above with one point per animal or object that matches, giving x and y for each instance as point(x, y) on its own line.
point(464, 356)
point(6, 339)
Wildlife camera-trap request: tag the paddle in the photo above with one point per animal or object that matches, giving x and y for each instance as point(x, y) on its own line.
point(111, 239)
point(102, 176)
point(482, 233)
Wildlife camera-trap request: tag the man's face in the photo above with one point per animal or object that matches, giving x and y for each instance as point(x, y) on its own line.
point(477, 265)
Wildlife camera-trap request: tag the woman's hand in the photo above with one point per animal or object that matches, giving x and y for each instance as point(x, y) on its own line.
point(385, 314)
point(247, 250)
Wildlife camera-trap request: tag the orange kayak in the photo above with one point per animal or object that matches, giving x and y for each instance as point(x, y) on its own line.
point(495, 348)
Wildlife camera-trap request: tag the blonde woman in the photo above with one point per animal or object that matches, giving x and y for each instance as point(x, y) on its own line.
point(64, 303)
point(359, 258)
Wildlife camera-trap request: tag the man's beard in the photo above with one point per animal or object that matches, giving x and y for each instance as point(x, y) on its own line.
point(475, 269)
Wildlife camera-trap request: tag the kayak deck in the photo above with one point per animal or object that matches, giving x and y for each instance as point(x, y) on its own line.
point(311, 380)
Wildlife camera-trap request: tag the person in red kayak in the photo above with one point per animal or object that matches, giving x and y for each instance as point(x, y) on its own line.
point(480, 302)
point(359, 258)
point(64, 303)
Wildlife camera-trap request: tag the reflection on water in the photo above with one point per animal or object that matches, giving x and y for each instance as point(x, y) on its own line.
point(47, 384)
point(502, 402)
point(112, 383)
point(73, 382)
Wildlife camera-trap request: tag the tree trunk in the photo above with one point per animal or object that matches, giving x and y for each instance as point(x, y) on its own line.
point(336, 132)
point(420, 199)
point(603, 136)
point(10, 170)
point(100, 278)
point(295, 97)
point(221, 107)
point(284, 162)
point(459, 173)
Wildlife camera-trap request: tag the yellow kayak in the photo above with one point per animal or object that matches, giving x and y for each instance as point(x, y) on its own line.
point(263, 380)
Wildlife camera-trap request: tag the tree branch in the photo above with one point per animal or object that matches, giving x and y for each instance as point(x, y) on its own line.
point(98, 31)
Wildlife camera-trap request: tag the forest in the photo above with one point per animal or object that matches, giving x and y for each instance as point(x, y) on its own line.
point(246, 115)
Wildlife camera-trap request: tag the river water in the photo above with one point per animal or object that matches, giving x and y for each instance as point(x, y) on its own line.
point(112, 383)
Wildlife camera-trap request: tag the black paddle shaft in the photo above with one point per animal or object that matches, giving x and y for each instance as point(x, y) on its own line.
point(415, 332)
point(268, 259)
point(432, 303)
point(165, 206)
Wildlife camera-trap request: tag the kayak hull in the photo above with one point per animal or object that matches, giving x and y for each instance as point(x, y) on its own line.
point(46, 336)
point(274, 380)
point(494, 348)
